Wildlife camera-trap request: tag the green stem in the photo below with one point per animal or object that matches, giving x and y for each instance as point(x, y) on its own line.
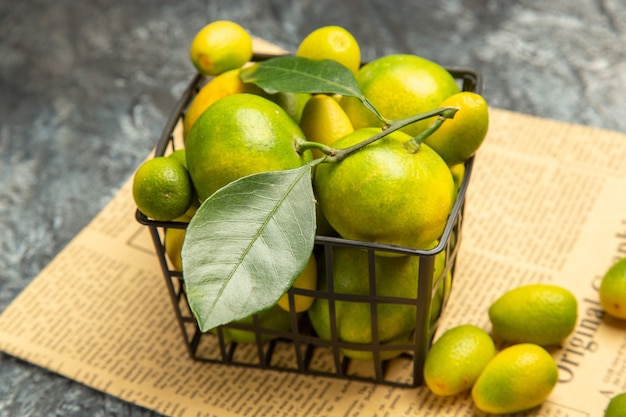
point(373, 109)
point(442, 113)
point(445, 112)
point(413, 145)
point(304, 145)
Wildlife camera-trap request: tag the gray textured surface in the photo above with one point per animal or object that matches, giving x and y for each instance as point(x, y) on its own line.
point(86, 87)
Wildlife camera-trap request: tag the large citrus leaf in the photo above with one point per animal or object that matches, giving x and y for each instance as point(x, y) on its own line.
point(302, 75)
point(295, 74)
point(246, 245)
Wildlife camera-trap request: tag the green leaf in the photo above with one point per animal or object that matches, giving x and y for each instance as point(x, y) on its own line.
point(247, 244)
point(296, 74)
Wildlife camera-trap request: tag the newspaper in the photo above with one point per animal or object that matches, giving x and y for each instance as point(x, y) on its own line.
point(546, 203)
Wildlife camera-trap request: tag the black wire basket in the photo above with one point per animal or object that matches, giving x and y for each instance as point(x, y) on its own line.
point(298, 348)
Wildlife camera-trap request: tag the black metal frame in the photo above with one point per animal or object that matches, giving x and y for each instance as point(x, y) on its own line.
point(299, 349)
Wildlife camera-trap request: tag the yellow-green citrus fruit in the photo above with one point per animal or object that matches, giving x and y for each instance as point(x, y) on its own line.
point(616, 406)
point(395, 277)
point(308, 281)
point(358, 114)
point(536, 313)
point(324, 121)
point(612, 290)
point(220, 46)
point(179, 155)
point(457, 358)
point(221, 86)
point(274, 318)
point(332, 42)
point(186, 218)
point(440, 297)
point(239, 135)
point(292, 103)
point(457, 139)
point(400, 86)
point(385, 194)
point(518, 378)
point(323, 228)
point(442, 291)
point(229, 83)
point(174, 239)
point(162, 188)
point(458, 173)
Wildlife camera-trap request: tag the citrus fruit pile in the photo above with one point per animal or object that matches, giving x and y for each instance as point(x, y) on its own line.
point(379, 173)
point(525, 321)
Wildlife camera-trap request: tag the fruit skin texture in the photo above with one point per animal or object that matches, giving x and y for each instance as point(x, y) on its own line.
point(179, 155)
point(612, 290)
point(457, 358)
point(457, 139)
point(458, 173)
point(400, 86)
point(175, 237)
point(332, 42)
point(324, 121)
point(617, 406)
point(220, 46)
point(383, 193)
point(441, 296)
point(220, 86)
point(292, 103)
point(229, 83)
point(162, 188)
point(239, 135)
point(518, 378)
point(537, 313)
point(395, 277)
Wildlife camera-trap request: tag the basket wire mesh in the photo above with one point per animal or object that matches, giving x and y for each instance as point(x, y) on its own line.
point(300, 349)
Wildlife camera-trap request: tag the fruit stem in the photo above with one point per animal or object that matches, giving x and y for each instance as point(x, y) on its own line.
point(304, 145)
point(368, 104)
point(413, 145)
point(442, 113)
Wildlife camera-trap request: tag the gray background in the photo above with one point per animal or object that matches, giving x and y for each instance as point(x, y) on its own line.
point(86, 88)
